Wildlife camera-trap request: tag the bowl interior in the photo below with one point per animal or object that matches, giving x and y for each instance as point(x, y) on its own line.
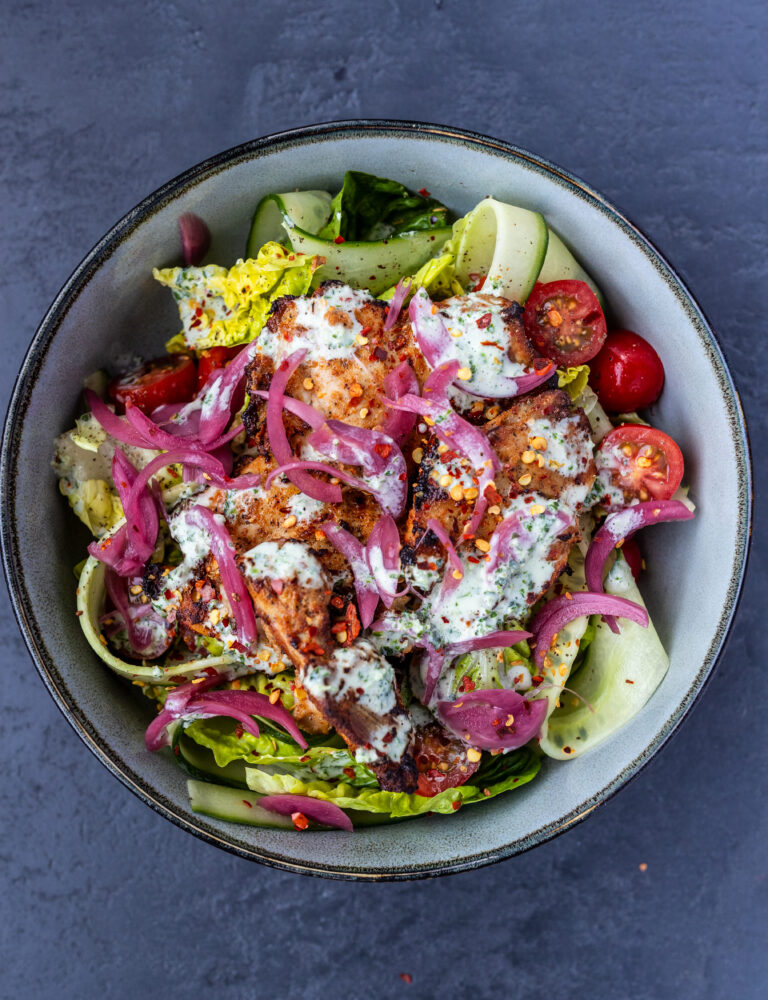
point(112, 309)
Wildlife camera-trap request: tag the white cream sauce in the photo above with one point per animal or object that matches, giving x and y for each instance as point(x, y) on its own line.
point(287, 561)
point(361, 674)
point(326, 326)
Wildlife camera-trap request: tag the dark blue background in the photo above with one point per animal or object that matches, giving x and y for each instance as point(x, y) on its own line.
point(660, 105)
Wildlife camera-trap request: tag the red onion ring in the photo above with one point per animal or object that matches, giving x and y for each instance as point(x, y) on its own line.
point(396, 303)
point(365, 585)
point(195, 238)
point(480, 718)
point(399, 382)
point(382, 554)
point(558, 612)
point(318, 810)
point(622, 525)
point(231, 578)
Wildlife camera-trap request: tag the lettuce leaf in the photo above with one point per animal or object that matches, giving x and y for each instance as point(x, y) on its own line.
point(223, 308)
point(326, 759)
point(370, 208)
point(573, 380)
point(495, 775)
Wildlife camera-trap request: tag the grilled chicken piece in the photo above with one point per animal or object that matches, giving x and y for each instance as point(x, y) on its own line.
point(540, 436)
point(291, 595)
point(283, 512)
point(543, 436)
point(356, 690)
point(347, 387)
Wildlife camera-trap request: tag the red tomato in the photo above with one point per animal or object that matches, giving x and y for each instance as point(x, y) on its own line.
point(565, 322)
point(172, 379)
point(440, 758)
point(627, 374)
point(213, 358)
point(634, 557)
point(643, 462)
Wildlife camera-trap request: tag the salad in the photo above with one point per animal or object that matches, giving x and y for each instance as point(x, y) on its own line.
point(363, 537)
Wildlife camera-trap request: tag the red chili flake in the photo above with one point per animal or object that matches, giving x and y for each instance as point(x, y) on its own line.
point(380, 354)
point(313, 630)
point(353, 624)
point(536, 680)
point(406, 977)
point(423, 192)
point(403, 477)
point(338, 627)
point(492, 495)
point(364, 330)
point(472, 559)
point(484, 321)
point(467, 684)
point(313, 647)
point(304, 759)
point(382, 450)
point(339, 239)
point(247, 803)
point(337, 602)
point(432, 566)
point(388, 738)
point(168, 595)
point(239, 731)
point(194, 323)
point(456, 805)
point(479, 285)
point(177, 750)
point(300, 821)
point(239, 647)
point(225, 621)
point(350, 772)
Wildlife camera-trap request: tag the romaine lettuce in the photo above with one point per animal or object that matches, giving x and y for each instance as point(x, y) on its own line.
point(223, 308)
point(370, 208)
point(495, 775)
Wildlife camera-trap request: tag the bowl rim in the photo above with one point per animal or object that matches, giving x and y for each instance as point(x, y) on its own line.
point(35, 356)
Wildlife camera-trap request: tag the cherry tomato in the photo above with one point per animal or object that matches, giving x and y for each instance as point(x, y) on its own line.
point(565, 322)
point(213, 358)
point(643, 462)
point(172, 379)
point(440, 758)
point(634, 557)
point(627, 374)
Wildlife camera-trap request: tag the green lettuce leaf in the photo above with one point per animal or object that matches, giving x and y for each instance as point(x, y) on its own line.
point(373, 208)
point(573, 380)
point(223, 308)
point(495, 775)
point(274, 750)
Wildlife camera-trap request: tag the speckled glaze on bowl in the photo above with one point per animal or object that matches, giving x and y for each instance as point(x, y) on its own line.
point(111, 307)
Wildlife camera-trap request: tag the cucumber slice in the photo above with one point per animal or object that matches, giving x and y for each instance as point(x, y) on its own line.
point(560, 264)
point(619, 675)
point(309, 210)
point(506, 243)
point(199, 762)
point(233, 805)
point(375, 265)
point(91, 592)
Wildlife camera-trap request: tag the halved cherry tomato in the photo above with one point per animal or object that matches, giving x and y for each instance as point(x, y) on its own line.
point(565, 322)
point(634, 557)
point(213, 358)
point(172, 379)
point(441, 760)
point(643, 462)
point(627, 374)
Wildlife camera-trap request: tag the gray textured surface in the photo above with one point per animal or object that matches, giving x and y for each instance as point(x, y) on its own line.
point(661, 106)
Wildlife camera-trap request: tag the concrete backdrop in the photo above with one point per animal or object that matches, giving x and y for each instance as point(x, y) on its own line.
point(660, 105)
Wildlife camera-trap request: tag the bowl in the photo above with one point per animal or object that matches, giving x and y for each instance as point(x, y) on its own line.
point(111, 308)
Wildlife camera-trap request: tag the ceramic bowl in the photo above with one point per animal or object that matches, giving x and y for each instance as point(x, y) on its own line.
point(111, 307)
